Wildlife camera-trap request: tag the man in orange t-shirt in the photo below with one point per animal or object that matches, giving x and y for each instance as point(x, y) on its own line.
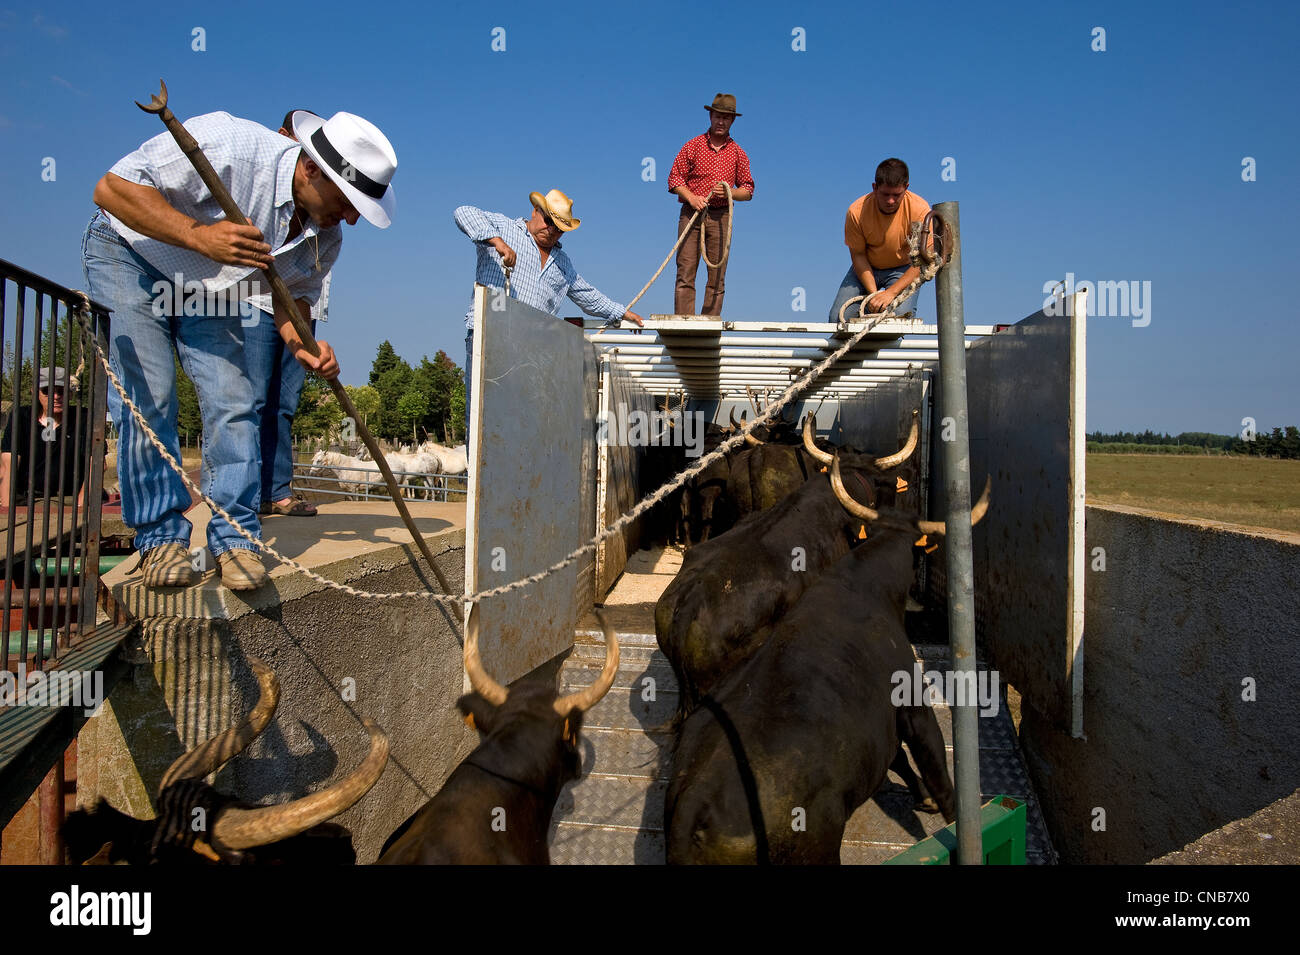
point(875, 230)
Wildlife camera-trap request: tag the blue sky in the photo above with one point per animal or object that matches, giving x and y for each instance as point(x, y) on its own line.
point(1118, 165)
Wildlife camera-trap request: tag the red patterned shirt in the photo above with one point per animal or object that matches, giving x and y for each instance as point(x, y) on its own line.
point(699, 167)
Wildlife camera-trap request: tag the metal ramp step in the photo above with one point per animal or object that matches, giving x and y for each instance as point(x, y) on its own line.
point(613, 814)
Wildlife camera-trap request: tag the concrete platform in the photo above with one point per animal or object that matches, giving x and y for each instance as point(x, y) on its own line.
point(345, 541)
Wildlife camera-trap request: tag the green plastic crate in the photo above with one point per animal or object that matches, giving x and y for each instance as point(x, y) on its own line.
point(1002, 832)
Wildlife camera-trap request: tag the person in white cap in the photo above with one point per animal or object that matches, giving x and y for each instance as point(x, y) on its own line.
point(160, 239)
point(54, 466)
point(543, 276)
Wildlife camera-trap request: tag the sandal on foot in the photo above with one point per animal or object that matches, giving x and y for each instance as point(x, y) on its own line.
point(299, 508)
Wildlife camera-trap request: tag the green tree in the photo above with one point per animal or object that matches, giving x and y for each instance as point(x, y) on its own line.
point(411, 408)
point(455, 433)
point(366, 400)
point(318, 414)
point(385, 361)
point(438, 379)
point(189, 417)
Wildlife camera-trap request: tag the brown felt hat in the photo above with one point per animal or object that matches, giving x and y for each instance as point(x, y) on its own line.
point(724, 103)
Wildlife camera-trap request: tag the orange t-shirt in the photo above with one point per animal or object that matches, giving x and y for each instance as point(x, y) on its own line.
point(883, 238)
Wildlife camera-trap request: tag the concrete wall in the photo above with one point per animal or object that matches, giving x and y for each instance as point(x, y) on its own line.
point(1182, 614)
point(194, 680)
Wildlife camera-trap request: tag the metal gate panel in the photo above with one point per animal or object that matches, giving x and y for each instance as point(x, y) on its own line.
point(620, 483)
point(524, 508)
point(879, 419)
point(1026, 400)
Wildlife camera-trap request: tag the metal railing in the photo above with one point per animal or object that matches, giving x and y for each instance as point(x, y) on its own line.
point(52, 470)
point(414, 485)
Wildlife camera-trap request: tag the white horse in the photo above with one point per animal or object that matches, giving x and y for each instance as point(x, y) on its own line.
point(452, 460)
point(418, 465)
point(353, 474)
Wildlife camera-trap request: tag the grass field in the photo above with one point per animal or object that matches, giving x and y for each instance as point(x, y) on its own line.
point(1258, 492)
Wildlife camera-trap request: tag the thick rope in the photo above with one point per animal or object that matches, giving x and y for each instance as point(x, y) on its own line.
point(726, 242)
point(927, 264)
point(920, 243)
point(726, 246)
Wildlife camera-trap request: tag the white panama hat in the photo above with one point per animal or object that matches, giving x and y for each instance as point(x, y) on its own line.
point(356, 156)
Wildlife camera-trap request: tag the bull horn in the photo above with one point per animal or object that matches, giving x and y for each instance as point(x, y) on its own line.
point(246, 828)
point(483, 685)
point(749, 437)
point(860, 511)
point(735, 425)
point(905, 452)
point(976, 513)
point(586, 699)
point(815, 452)
point(216, 752)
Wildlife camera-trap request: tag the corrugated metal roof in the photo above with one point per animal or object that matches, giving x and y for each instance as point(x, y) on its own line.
point(712, 357)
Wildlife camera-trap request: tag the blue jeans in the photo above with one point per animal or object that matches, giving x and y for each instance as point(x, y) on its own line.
point(469, 379)
point(277, 384)
point(851, 288)
point(211, 350)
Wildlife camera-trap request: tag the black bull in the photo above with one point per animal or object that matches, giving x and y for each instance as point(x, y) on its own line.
point(722, 602)
point(495, 807)
point(497, 804)
point(773, 764)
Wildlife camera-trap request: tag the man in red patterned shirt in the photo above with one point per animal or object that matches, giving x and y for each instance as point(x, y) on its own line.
point(702, 166)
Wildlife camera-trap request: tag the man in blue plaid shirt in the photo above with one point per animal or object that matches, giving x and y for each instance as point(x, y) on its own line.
point(542, 274)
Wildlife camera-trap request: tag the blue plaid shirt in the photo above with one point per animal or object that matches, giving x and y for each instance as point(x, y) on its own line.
point(257, 166)
point(542, 288)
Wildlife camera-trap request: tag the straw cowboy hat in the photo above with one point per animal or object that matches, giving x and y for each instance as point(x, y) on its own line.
point(558, 206)
point(356, 156)
point(724, 103)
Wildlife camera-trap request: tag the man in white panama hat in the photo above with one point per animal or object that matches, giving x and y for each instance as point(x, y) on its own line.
point(160, 237)
point(542, 274)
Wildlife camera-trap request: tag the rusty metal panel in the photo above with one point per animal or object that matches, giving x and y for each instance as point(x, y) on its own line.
point(1026, 405)
point(524, 508)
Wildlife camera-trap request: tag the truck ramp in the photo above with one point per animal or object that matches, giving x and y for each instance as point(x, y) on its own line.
point(613, 814)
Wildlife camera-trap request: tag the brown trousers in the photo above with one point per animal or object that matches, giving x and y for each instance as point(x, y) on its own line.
point(688, 261)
